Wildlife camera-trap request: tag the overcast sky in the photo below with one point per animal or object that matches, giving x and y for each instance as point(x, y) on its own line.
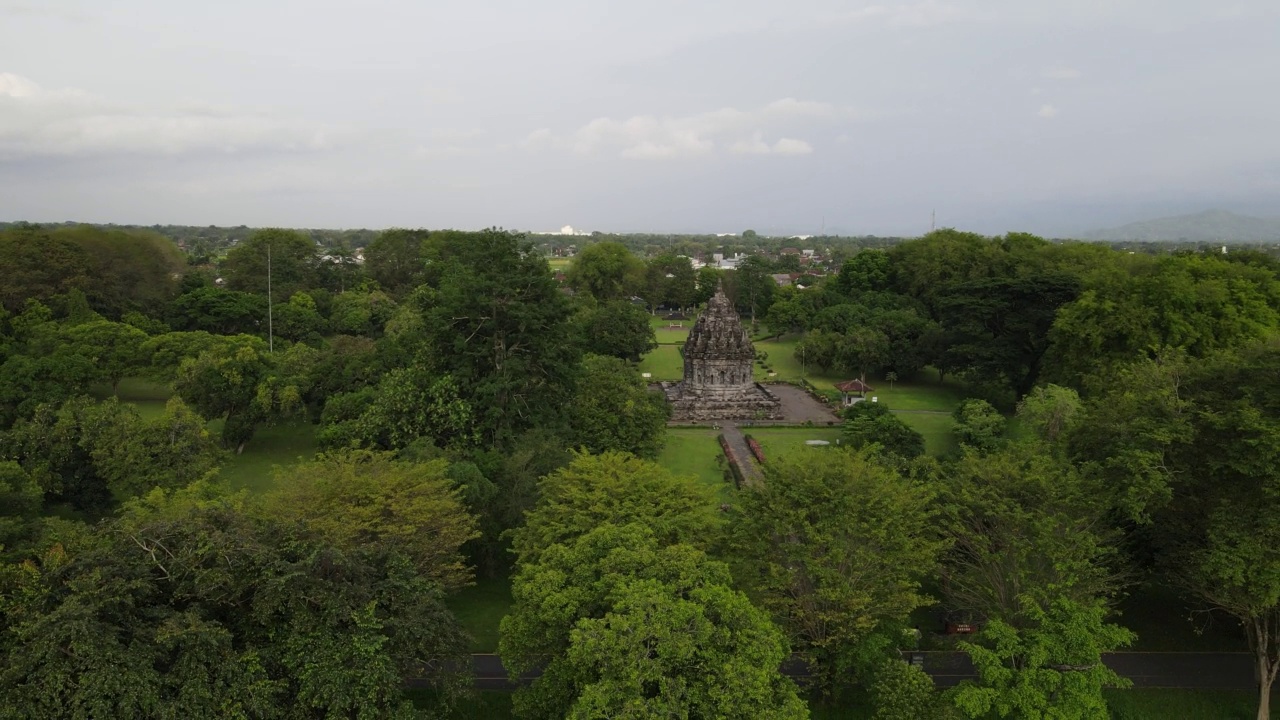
point(1051, 116)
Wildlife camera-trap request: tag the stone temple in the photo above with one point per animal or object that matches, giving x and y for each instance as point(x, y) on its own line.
point(718, 384)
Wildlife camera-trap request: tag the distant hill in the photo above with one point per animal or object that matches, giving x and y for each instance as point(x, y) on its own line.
point(1208, 226)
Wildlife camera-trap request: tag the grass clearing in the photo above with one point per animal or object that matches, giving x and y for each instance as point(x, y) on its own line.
point(559, 263)
point(480, 608)
point(780, 442)
point(924, 393)
point(282, 444)
point(664, 363)
point(939, 440)
point(694, 452)
point(1166, 703)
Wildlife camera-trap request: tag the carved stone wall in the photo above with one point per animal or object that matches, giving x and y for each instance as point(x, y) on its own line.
point(718, 358)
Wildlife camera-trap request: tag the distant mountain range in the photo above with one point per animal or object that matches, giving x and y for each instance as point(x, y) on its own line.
point(1208, 226)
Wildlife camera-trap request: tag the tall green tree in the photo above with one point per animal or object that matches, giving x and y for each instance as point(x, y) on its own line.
point(494, 320)
point(606, 271)
point(625, 627)
point(354, 498)
point(1051, 668)
point(394, 259)
point(617, 488)
point(189, 606)
point(293, 261)
point(616, 328)
point(613, 409)
point(836, 545)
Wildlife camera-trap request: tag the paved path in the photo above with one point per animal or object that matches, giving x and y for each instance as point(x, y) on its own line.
point(751, 474)
point(1217, 671)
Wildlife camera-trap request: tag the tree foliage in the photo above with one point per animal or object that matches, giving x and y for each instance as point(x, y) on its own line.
point(188, 606)
point(613, 409)
point(836, 545)
point(624, 626)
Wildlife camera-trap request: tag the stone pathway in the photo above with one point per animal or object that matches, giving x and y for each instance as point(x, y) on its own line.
point(742, 452)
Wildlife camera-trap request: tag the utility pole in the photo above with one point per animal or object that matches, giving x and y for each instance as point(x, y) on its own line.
point(270, 327)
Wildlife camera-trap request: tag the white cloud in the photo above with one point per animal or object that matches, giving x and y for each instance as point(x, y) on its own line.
point(757, 146)
point(1047, 111)
point(1061, 73)
point(791, 146)
point(35, 122)
point(655, 137)
point(919, 14)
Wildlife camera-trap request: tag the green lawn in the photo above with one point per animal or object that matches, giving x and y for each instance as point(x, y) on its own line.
point(694, 451)
point(936, 429)
point(664, 363)
point(778, 442)
point(480, 608)
point(281, 444)
point(666, 334)
point(148, 396)
point(559, 263)
point(923, 393)
point(1168, 704)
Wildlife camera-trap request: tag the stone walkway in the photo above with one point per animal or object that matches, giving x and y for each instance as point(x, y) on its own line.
point(742, 452)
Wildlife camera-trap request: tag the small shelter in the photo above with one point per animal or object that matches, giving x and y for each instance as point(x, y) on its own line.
point(849, 388)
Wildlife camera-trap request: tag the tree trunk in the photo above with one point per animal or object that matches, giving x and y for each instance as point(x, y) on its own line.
point(1267, 666)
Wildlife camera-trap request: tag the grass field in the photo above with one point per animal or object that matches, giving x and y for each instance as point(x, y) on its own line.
point(693, 451)
point(147, 396)
point(779, 442)
point(281, 444)
point(559, 263)
point(1167, 704)
point(923, 393)
point(664, 363)
point(480, 608)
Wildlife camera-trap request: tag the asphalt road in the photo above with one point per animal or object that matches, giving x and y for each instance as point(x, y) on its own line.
point(1218, 671)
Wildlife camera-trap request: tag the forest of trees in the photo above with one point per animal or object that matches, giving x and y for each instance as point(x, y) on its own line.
point(477, 418)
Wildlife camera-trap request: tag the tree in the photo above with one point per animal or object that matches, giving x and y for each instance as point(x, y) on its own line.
point(361, 312)
point(901, 691)
point(785, 316)
point(708, 280)
point(1026, 530)
point(613, 409)
point(836, 545)
point(606, 271)
point(866, 271)
point(90, 454)
point(625, 627)
point(493, 319)
point(20, 504)
point(616, 488)
point(754, 286)
point(1217, 536)
point(999, 327)
point(189, 606)
point(356, 497)
point(978, 425)
point(868, 423)
point(223, 312)
point(117, 270)
point(1050, 410)
point(618, 329)
point(113, 348)
point(238, 383)
point(1050, 669)
point(298, 319)
point(394, 259)
point(293, 263)
point(407, 405)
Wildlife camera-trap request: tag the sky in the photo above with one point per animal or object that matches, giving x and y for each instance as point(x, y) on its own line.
point(1052, 116)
